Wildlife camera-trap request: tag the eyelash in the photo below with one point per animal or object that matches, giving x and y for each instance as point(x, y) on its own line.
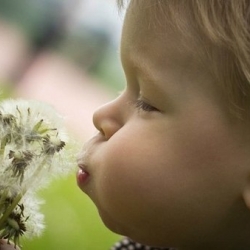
point(142, 105)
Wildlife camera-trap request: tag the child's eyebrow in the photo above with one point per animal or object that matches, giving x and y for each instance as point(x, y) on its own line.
point(137, 67)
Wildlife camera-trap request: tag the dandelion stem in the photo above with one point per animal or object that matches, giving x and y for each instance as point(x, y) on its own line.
point(20, 195)
point(10, 209)
point(3, 197)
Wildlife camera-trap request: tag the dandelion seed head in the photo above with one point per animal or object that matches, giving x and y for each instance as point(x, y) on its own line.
point(34, 147)
point(34, 218)
point(34, 135)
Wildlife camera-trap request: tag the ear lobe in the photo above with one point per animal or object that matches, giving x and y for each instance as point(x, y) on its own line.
point(246, 195)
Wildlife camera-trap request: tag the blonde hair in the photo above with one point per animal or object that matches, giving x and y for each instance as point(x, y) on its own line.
point(224, 25)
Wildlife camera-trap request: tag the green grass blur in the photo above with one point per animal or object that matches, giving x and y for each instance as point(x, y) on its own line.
point(72, 221)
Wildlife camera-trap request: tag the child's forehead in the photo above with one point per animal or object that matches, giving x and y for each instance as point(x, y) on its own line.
point(155, 18)
point(146, 43)
point(159, 16)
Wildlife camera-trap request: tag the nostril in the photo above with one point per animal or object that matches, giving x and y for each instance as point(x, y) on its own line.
point(109, 127)
point(107, 119)
point(102, 131)
point(98, 123)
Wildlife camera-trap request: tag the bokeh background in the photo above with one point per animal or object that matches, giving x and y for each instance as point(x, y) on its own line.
point(65, 53)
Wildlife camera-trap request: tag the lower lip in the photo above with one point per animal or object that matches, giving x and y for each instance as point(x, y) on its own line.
point(82, 177)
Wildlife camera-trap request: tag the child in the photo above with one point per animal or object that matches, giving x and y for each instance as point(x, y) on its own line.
point(170, 166)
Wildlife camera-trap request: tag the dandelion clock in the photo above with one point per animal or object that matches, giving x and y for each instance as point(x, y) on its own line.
point(34, 148)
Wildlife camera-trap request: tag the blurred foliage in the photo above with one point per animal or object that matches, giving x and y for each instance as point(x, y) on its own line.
point(46, 24)
point(6, 91)
point(35, 18)
point(92, 50)
point(110, 72)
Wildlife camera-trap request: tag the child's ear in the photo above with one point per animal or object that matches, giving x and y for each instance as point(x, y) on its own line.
point(246, 194)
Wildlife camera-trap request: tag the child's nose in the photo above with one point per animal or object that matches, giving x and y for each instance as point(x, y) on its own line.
point(107, 119)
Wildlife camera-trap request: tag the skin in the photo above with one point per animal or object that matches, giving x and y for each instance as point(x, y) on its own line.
point(5, 246)
point(172, 168)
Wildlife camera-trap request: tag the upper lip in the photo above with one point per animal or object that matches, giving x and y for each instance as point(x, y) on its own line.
point(84, 156)
point(81, 163)
point(82, 166)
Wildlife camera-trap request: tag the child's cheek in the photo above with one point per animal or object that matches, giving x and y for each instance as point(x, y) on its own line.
point(122, 170)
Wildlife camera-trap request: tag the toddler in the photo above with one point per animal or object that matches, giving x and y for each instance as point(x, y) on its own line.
point(170, 165)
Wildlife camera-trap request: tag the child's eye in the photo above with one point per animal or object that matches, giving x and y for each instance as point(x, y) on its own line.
point(142, 105)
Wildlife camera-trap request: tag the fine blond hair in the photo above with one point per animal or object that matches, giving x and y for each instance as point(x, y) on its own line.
point(224, 26)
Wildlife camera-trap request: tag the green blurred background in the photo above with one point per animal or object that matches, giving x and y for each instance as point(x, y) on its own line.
point(81, 36)
point(72, 221)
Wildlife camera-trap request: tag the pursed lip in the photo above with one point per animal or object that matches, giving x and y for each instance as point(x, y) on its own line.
point(83, 160)
point(82, 175)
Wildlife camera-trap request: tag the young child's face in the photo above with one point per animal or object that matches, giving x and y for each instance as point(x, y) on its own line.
point(168, 164)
